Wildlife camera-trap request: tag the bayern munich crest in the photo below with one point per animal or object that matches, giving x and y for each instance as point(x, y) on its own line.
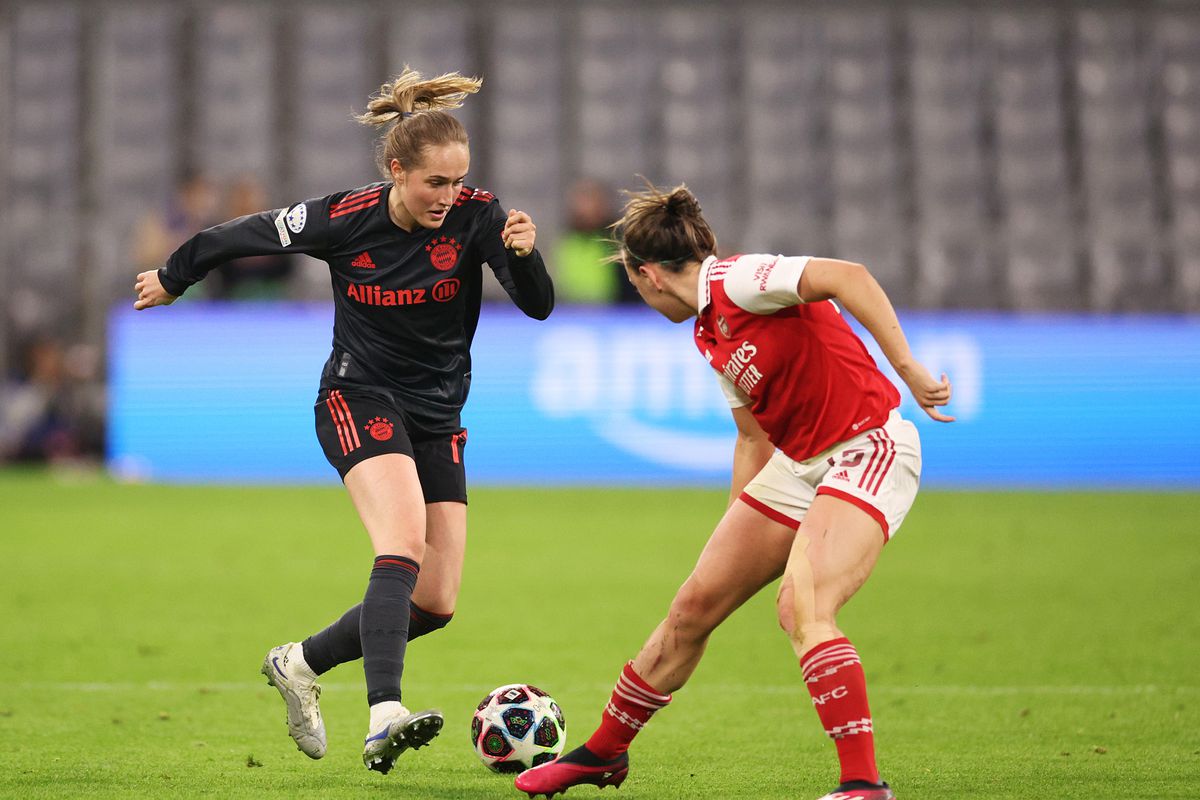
point(380, 429)
point(443, 252)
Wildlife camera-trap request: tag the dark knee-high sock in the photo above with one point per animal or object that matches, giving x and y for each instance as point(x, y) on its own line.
point(383, 625)
point(421, 622)
point(339, 643)
point(336, 644)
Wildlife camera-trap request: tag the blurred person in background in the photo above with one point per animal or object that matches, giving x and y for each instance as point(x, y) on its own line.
point(405, 257)
point(585, 272)
point(263, 277)
point(824, 471)
point(53, 410)
point(195, 205)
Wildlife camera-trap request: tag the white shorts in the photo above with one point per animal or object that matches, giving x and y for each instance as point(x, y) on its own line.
point(878, 471)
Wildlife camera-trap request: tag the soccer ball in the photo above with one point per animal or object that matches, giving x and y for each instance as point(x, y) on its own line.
point(516, 727)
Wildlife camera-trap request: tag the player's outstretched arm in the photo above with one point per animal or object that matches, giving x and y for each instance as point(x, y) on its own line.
point(150, 291)
point(856, 289)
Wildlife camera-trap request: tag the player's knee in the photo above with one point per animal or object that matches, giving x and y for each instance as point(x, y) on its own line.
point(405, 543)
point(805, 626)
point(421, 622)
point(785, 608)
point(694, 610)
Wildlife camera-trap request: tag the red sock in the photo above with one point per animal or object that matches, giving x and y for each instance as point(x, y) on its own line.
point(632, 704)
point(835, 680)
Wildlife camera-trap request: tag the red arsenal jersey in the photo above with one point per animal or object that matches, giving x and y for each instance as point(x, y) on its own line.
point(806, 376)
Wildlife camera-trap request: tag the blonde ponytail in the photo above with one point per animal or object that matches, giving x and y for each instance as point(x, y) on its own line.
point(413, 109)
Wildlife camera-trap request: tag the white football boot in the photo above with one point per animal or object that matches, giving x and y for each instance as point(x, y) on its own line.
point(395, 729)
point(288, 672)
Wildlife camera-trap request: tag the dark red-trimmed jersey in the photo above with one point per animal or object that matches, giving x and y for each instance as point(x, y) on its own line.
point(405, 304)
point(805, 375)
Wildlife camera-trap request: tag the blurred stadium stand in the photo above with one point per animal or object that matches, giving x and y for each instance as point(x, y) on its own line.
point(998, 156)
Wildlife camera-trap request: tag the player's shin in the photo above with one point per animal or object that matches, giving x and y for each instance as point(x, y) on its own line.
point(338, 643)
point(383, 625)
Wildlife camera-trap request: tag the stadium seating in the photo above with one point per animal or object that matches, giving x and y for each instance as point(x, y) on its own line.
point(1024, 156)
point(1176, 36)
point(954, 241)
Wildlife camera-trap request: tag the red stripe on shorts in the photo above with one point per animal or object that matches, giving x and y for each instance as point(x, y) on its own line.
point(871, 510)
point(350, 426)
point(873, 486)
point(337, 426)
point(871, 461)
point(766, 510)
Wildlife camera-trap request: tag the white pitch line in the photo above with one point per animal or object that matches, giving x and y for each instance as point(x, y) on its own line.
point(725, 688)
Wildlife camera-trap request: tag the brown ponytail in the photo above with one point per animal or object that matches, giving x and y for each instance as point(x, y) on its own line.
point(666, 227)
point(413, 110)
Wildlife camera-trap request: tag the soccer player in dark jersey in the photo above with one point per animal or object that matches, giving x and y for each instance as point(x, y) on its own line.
point(824, 471)
point(405, 260)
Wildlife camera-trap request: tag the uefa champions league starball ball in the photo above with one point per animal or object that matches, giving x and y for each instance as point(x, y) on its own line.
point(516, 727)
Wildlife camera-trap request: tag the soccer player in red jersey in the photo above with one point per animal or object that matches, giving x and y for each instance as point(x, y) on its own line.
point(405, 257)
point(824, 471)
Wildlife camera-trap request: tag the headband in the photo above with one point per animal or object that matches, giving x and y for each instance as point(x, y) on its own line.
point(664, 261)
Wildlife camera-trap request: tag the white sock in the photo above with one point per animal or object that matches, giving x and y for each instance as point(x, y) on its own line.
point(381, 712)
point(295, 659)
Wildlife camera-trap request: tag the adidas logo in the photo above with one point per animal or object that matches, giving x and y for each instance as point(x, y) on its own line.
point(841, 476)
point(363, 261)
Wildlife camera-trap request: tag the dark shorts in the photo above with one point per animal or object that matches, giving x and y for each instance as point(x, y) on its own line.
point(353, 427)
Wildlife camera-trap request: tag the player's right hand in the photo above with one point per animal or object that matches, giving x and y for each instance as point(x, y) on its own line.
point(150, 292)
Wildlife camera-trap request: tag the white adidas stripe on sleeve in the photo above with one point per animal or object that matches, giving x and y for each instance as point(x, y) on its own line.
point(764, 284)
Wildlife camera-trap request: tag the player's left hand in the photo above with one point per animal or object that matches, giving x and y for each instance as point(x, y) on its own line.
point(519, 233)
point(928, 393)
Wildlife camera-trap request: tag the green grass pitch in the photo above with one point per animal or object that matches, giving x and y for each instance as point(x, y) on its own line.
point(1017, 645)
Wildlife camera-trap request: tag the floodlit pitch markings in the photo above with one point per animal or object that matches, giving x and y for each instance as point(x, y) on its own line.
point(721, 689)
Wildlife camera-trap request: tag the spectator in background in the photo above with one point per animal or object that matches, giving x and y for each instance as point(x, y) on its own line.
point(253, 277)
point(194, 206)
point(53, 410)
point(585, 272)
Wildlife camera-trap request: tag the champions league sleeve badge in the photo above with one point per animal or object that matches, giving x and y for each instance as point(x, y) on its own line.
point(297, 217)
point(292, 220)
